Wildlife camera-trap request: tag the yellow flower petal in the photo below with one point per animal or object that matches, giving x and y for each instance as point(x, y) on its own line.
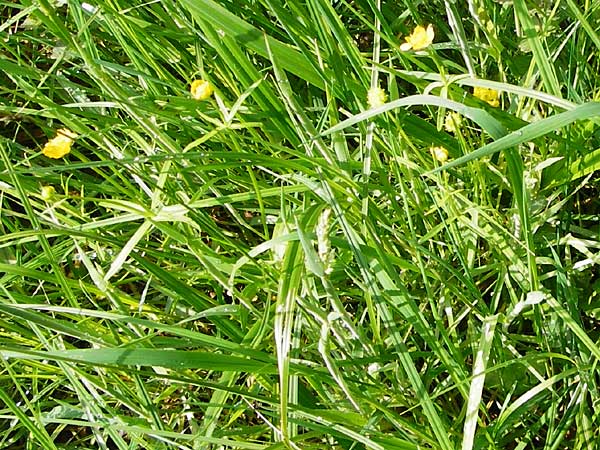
point(419, 39)
point(60, 145)
point(452, 122)
point(490, 96)
point(201, 89)
point(47, 192)
point(440, 154)
point(376, 97)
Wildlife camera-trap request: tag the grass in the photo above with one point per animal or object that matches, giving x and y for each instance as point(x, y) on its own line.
point(279, 266)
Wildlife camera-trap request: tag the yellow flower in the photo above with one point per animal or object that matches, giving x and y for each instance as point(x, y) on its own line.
point(452, 122)
point(201, 89)
point(440, 154)
point(376, 97)
point(487, 95)
point(60, 145)
point(47, 192)
point(419, 39)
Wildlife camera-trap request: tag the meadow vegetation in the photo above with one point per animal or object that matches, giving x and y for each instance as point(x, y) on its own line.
point(299, 224)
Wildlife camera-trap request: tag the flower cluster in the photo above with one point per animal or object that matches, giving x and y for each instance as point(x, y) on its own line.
point(452, 122)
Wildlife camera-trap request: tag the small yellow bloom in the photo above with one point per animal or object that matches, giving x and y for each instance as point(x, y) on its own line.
point(440, 154)
point(452, 122)
point(47, 192)
point(376, 97)
point(60, 145)
point(489, 96)
point(419, 39)
point(201, 89)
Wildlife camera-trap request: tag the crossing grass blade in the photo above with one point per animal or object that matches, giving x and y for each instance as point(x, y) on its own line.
point(478, 381)
point(37, 432)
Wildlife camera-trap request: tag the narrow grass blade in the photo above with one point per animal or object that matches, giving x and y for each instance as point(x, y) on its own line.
point(462, 80)
point(478, 381)
point(528, 400)
point(127, 249)
point(584, 23)
point(285, 306)
point(542, 60)
point(172, 359)
point(569, 322)
point(460, 37)
point(195, 338)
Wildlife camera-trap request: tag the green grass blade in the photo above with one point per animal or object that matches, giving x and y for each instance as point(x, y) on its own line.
point(542, 59)
point(171, 359)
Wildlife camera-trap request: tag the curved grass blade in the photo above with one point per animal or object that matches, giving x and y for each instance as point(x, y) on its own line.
point(481, 117)
point(528, 133)
point(542, 60)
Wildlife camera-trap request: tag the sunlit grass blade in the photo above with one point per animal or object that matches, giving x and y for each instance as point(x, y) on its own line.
point(173, 359)
point(479, 367)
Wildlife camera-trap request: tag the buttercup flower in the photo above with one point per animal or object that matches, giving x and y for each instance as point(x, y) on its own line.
point(452, 122)
point(376, 97)
point(440, 154)
point(60, 145)
point(489, 96)
point(201, 89)
point(47, 192)
point(419, 39)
